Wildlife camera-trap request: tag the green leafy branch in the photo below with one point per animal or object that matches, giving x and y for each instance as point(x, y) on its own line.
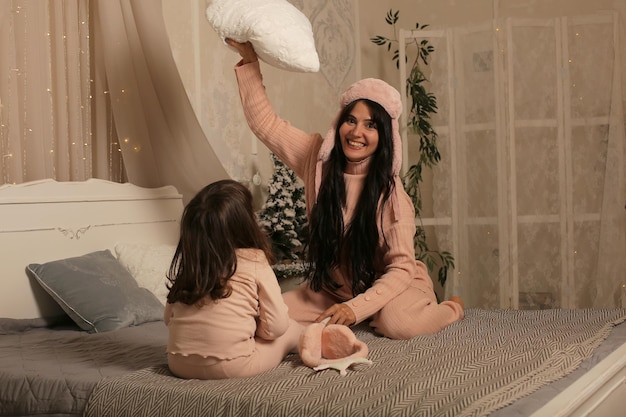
point(423, 105)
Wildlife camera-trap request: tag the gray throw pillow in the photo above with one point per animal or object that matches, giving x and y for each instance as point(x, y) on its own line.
point(97, 292)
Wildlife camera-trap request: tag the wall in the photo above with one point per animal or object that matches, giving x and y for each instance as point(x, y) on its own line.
point(440, 14)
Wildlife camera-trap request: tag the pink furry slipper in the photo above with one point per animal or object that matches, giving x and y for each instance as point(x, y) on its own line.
point(331, 346)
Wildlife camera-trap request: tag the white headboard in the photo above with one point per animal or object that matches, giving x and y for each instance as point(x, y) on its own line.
point(45, 220)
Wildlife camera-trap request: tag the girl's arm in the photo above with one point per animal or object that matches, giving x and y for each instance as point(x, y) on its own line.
point(167, 313)
point(273, 318)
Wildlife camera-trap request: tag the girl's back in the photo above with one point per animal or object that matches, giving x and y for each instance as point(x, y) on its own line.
point(225, 329)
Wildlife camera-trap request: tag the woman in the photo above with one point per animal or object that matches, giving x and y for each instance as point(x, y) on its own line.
point(362, 222)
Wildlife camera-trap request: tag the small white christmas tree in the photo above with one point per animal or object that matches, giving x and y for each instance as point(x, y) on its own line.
point(284, 213)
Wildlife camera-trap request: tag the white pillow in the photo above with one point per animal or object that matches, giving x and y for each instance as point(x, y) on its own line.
point(281, 35)
point(148, 264)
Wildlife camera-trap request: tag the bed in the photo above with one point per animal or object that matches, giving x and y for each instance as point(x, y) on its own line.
point(81, 327)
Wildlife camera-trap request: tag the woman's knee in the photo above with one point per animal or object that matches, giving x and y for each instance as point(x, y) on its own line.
point(396, 322)
point(400, 319)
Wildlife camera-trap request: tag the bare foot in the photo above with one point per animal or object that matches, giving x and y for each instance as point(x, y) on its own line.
point(457, 300)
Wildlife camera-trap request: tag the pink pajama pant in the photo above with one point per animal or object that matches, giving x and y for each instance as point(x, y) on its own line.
point(415, 311)
point(267, 354)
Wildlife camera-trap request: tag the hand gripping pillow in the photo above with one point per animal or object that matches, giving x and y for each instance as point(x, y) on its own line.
point(281, 35)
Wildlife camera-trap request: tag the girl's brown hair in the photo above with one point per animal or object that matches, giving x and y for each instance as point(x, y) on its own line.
point(218, 220)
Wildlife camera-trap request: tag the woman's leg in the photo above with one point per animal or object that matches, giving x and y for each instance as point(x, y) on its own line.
point(414, 312)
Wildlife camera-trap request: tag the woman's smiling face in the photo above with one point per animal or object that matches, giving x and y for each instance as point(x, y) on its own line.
point(359, 134)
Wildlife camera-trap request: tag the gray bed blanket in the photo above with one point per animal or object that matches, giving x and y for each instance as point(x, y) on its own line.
point(50, 371)
point(480, 364)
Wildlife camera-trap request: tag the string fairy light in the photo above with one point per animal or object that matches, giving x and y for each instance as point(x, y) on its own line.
point(24, 135)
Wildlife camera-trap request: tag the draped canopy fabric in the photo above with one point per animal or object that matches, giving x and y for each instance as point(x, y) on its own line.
point(51, 125)
point(160, 136)
point(68, 91)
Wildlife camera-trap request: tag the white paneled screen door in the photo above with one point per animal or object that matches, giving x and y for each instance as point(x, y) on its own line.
point(529, 196)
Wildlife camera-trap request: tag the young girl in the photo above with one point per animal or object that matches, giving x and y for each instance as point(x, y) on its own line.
point(362, 222)
point(225, 313)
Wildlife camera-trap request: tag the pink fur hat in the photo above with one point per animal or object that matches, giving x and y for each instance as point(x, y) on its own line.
point(375, 90)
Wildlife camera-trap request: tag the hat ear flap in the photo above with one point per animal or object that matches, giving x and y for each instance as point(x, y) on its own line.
point(397, 147)
point(328, 144)
point(323, 154)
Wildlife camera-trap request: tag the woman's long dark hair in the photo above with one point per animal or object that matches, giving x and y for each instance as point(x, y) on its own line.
point(218, 220)
point(329, 241)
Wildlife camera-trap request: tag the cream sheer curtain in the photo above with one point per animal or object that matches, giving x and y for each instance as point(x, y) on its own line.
point(53, 124)
point(530, 195)
point(161, 139)
point(77, 74)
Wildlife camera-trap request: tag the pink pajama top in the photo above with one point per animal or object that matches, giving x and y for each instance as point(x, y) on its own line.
point(226, 328)
point(394, 261)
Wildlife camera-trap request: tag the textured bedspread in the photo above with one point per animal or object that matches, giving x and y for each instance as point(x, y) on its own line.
point(476, 366)
point(46, 372)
